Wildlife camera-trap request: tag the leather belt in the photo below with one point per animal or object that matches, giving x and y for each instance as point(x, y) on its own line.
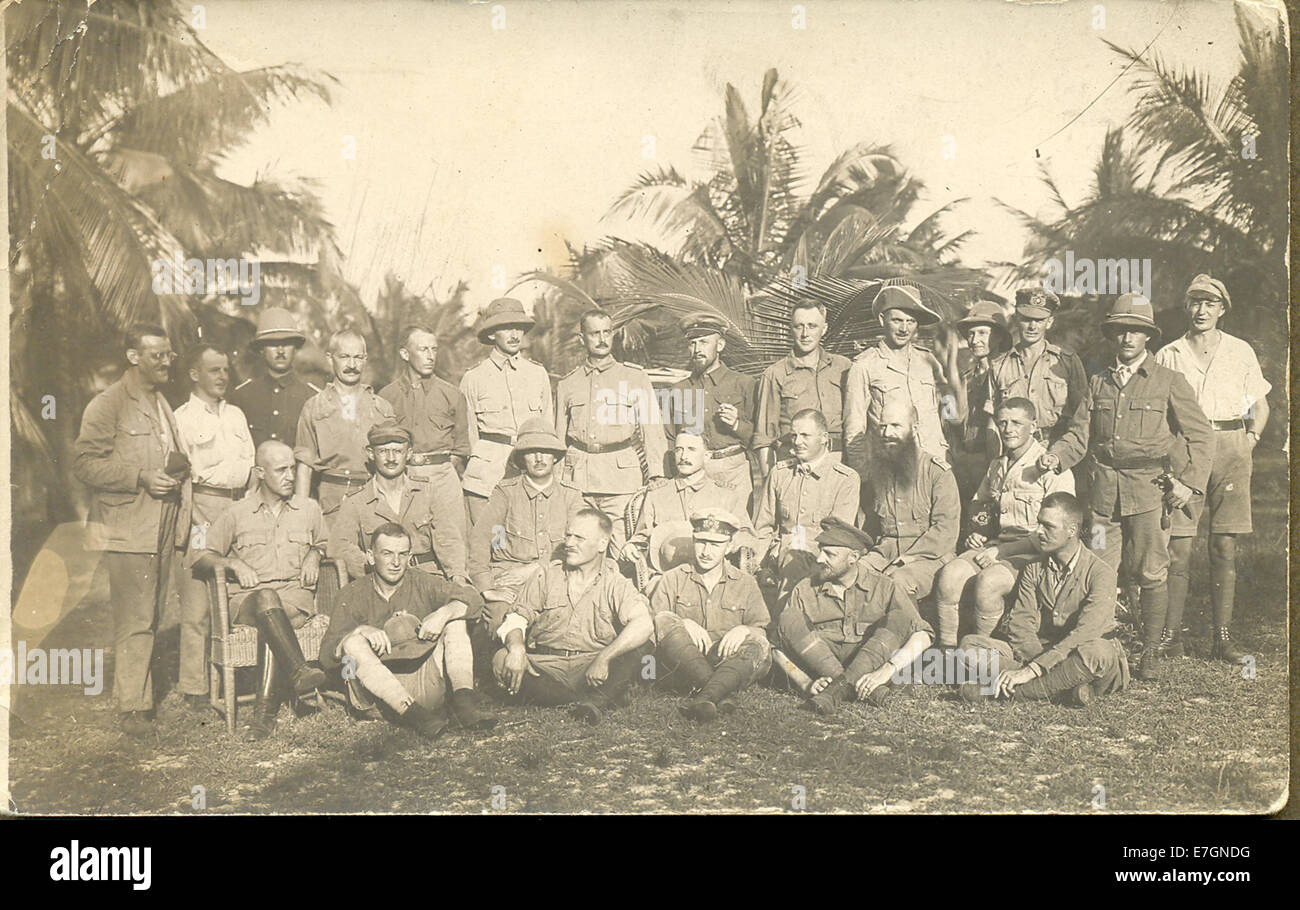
point(223, 492)
point(726, 451)
point(419, 559)
point(358, 479)
point(501, 438)
point(596, 448)
point(421, 459)
point(1237, 424)
point(1135, 464)
point(559, 652)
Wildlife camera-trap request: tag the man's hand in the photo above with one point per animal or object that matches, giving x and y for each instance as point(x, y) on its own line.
point(1009, 679)
point(629, 553)
point(496, 595)
point(516, 667)
point(728, 415)
point(873, 680)
point(732, 641)
point(1178, 495)
point(1049, 462)
point(598, 670)
point(436, 621)
point(975, 540)
point(158, 483)
point(818, 684)
point(243, 571)
point(310, 569)
point(985, 557)
point(378, 640)
point(699, 635)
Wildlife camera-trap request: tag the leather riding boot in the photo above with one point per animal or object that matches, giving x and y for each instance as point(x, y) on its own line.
point(1224, 649)
point(269, 695)
point(274, 627)
point(1066, 675)
point(1155, 607)
point(690, 669)
point(726, 680)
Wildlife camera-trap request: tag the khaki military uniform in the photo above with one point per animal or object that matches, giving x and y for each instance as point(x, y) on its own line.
point(500, 394)
point(788, 387)
point(437, 540)
point(693, 403)
point(920, 521)
point(332, 439)
point(519, 531)
point(273, 406)
point(796, 497)
point(881, 374)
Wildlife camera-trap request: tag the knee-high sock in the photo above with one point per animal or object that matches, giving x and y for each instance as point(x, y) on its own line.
point(377, 679)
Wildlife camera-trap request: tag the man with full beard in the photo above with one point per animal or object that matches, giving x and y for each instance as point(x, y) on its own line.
point(912, 504)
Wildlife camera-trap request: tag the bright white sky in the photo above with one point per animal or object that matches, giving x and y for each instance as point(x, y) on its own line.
point(507, 142)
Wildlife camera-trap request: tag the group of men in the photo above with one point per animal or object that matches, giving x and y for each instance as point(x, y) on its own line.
point(562, 546)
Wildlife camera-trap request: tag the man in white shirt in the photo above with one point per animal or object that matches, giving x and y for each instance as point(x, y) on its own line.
point(1224, 373)
point(215, 436)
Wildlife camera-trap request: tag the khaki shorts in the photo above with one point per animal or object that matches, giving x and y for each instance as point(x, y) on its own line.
point(1227, 493)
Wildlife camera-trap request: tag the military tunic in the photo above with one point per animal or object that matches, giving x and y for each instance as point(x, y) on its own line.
point(273, 405)
point(521, 527)
point(694, 401)
point(920, 521)
point(881, 374)
point(676, 499)
point(788, 387)
point(332, 438)
point(798, 496)
point(500, 394)
point(1056, 383)
point(273, 545)
point(436, 543)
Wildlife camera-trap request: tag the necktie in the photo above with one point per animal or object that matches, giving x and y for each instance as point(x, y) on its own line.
point(1123, 373)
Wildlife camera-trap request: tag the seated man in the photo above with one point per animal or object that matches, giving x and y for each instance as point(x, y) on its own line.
point(1004, 513)
point(1056, 638)
point(670, 502)
point(394, 495)
point(578, 630)
point(401, 636)
point(913, 507)
point(272, 542)
point(519, 530)
point(798, 494)
point(850, 627)
point(710, 622)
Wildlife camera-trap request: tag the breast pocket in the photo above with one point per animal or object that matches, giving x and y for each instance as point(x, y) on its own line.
point(1055, 392)
point(249, 542)
point(300, 543)
point(135, 439)
point(1148, 415)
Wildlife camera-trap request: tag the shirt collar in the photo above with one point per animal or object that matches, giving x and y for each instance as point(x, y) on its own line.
point(729, 572)
point(1139, 367)
point(815, 466)
point(503, 360)
point(533, 490)
point(592, 368)
point(262, 504)
point(695, 481)
point(792, 363)
point(1029, 455)
point(340, 390)
point(374, 586)
point(1073, 561)
point(198, 404)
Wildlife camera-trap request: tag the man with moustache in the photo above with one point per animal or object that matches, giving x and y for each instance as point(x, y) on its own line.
point(798, 494)
point(1058, 640)
point(809, 378)
point(608, 415)
point(395, 495)
point(849, 627)
point(717, 403)
point(912, 504)
point(403, 635)
point(997, 548)
point(520, 530)
point(332, 428)
point(273, 401)
point(1224, 373)
point(129, 455)
point(674, 500)
point(501, 392)
point(215, 437)
point(984, 327)
point(1047, 374)
point(895, 369)
point(710, 622)
point(578, 630)
point(272, 541)
point(1151, 450)
point(434, 412)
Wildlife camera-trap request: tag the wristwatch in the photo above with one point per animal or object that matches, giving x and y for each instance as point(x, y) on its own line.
point(1253, 433)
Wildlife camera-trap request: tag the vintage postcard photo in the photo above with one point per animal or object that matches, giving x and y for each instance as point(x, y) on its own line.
point(744, 407)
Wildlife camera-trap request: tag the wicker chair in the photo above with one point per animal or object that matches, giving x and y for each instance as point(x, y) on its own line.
point(235, 646)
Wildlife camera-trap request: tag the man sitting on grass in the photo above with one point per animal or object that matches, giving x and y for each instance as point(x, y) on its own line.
point(849, 626)
point(400, 637)
point(1057, 638)
point(710, 621)
point(578, 630)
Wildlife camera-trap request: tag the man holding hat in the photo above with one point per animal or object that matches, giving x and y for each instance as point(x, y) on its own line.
point(1047, 374)
point(848, 626)
point(1230, 388)
point(1151, 449)
point(895, 369)
point(608, 415)
point(710, 621)
point(273, 401)
point(334, 426)
point(394, 494)
point(501, 392)
point(809, 378)
point(400, 637)
point(717, 403)
point(985, 328)
point(520, 529)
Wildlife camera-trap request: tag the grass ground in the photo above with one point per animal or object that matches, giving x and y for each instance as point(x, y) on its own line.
point(1203, 739)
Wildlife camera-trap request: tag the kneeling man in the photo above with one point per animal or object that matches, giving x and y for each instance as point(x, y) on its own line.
point(578, 630)
point(710, 621)
point(849, 626)
point(1056, 639)
point(400, 636)
point(1005, 511)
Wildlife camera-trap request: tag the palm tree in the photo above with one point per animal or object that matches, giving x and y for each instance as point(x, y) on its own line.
point(1196, 181)
point(118, 118)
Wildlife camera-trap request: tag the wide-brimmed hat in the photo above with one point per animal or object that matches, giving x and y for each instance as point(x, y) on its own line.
point(276, 325)
point(1205, 286)
point(403, 632)
point(984, 312)
point(671, 544)
point(1037, 302)
point(1135, 311)
point(501, 312)
point(537, 435)
point(903, 297)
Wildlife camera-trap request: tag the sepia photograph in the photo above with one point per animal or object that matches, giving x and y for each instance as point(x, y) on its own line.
point(732, 407)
